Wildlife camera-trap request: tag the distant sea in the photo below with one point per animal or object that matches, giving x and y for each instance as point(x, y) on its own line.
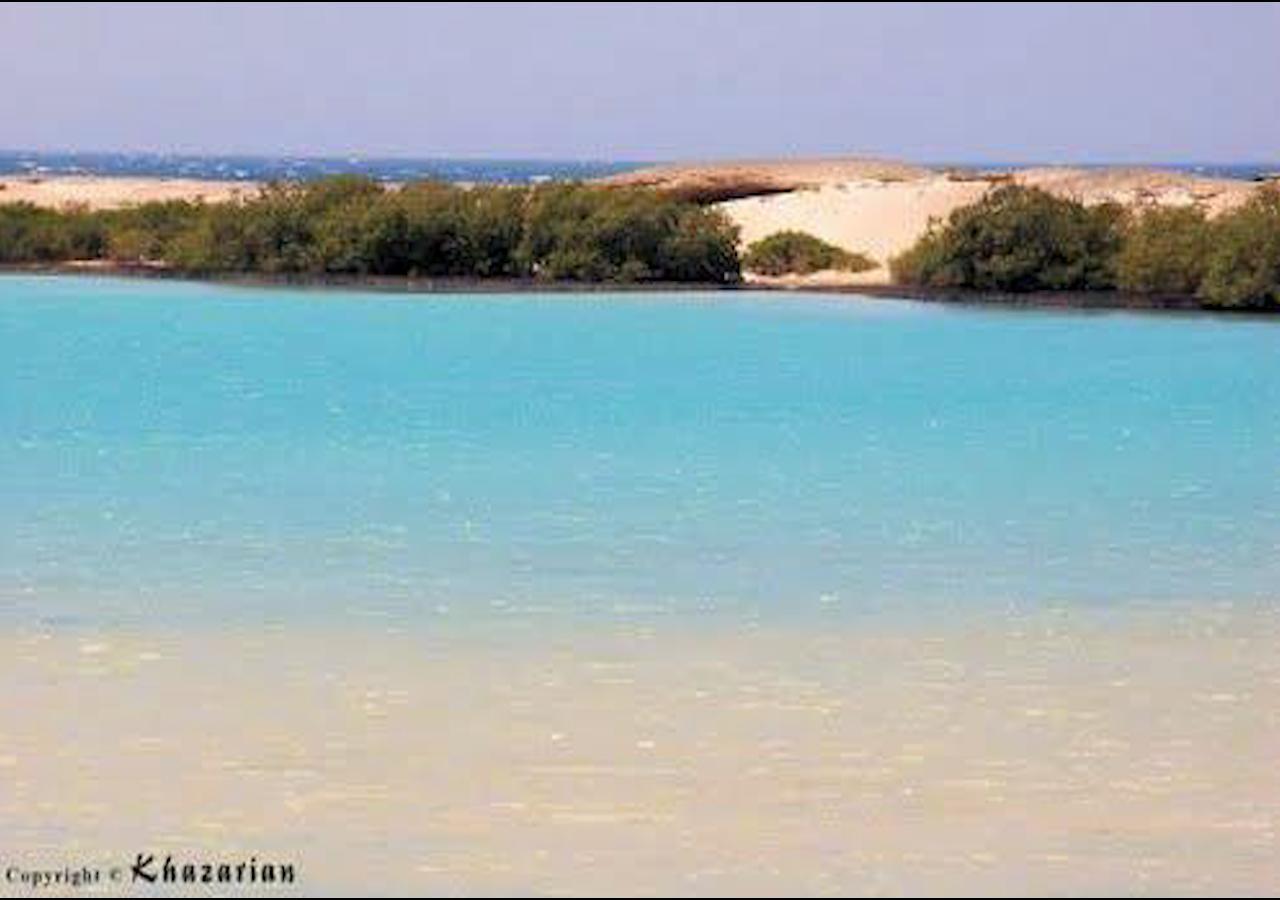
point(267, 168)
point(502, 171)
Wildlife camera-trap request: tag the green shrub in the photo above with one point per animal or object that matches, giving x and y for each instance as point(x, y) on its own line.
point(25, 235)
point(357, 236)
point(702, 247)
point(1017, 239)
point(216, 241)
point(1164, 251)
point(1243, 270)
point(147, 232)
point(587, 233)
point(799, 253)
point(31, 234)
point(492, 225)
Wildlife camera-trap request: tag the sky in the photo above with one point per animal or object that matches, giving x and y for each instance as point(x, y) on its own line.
point(947, 82)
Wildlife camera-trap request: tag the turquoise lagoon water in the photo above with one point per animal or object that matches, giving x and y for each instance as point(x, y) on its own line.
point(176, 452)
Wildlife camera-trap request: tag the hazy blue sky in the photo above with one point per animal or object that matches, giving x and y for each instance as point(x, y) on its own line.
point(648, 81)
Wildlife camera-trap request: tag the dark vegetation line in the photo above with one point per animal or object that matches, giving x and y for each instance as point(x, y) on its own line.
point(350, 225)
point(1019, 240)
point(1015, 241)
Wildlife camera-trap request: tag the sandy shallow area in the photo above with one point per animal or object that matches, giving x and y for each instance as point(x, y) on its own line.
point(1078, 752)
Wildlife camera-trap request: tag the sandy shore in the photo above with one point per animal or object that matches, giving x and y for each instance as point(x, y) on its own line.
point(1080, 752)
point(105, 192)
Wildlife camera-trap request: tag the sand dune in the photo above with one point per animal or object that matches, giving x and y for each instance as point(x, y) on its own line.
point(876, 218)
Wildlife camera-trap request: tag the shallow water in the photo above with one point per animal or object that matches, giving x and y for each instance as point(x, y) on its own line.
point(182, 452)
